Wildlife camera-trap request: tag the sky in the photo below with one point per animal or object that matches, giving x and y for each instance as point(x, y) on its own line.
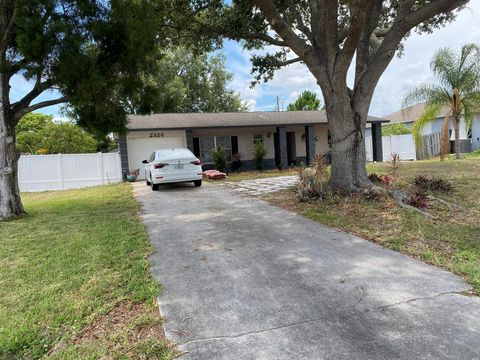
point(403, 73)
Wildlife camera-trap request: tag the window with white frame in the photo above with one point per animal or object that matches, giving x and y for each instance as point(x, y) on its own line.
point(257, 139)
point(208, 144)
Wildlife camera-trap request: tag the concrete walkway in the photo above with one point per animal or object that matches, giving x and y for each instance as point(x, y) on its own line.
point(245, 280)
point(258, 187)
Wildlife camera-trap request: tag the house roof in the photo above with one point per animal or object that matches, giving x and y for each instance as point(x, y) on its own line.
point(411, 114)
point(221, 120)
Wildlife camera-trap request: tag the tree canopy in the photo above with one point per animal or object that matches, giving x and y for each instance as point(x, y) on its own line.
point(457, 90)
point(185, 81)
point(308, 100)
point(38, 133)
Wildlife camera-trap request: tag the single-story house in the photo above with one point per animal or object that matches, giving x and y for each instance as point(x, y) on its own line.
point(409, 116)
point(289, 137)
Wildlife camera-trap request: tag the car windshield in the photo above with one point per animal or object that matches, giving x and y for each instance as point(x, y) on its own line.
point(175, 154)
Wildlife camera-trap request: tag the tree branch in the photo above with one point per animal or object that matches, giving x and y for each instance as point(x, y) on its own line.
point(359, 10)
point(290, 62)
point(35, 92)
point(406, 20)
point(266, 38)
point(298, 18)
point(39, 105)
point(292, 40)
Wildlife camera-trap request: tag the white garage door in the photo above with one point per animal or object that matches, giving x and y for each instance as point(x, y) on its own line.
point(141, 149)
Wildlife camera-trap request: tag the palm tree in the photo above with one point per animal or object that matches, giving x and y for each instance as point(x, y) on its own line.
point(457, 91)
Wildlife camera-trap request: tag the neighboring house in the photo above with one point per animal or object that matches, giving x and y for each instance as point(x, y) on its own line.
point(409, 116)
point(290, 137)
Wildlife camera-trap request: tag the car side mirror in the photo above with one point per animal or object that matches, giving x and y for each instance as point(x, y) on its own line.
point(144, 162)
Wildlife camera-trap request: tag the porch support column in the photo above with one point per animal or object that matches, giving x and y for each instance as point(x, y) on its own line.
point(310, 143)
point(122, 144)
point(282, 146)
point(377, 142)
point(189, 136)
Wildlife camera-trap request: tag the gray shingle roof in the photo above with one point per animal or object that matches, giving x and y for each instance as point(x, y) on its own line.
point(411, 114)
point(219, 120)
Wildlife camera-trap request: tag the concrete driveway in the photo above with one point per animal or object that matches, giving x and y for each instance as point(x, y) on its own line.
point(246, 280)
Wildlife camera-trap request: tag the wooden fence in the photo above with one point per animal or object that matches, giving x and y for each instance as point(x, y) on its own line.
point(430, 147)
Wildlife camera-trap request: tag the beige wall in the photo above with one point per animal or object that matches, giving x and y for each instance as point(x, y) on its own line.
point(245, 139)
point(166, 133)
point(322, 147)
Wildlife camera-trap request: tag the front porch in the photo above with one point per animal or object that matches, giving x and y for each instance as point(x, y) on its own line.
point(285, 146)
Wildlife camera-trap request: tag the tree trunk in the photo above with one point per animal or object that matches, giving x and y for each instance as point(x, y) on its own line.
point(10, 203)
point(347, 126)
point(456, 127)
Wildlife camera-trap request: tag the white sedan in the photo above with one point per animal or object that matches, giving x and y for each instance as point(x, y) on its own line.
point(172, 166)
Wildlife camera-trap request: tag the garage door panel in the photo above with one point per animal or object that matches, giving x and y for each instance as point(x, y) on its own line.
point(141, 149)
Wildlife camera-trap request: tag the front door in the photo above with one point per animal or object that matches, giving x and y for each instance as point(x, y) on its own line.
point(291, 149)
point(276, 145)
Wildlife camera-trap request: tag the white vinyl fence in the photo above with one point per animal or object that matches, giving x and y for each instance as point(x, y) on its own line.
point(403, 145)
point(68, 171)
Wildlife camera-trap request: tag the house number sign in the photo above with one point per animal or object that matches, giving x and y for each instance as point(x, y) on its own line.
point(156, 135)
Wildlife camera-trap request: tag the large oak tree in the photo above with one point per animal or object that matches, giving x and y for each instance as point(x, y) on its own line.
point(329, 36)
point(88, 51)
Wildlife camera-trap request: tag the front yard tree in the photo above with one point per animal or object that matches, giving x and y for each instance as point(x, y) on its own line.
point(457, 90)
point(89, 51)
point(308, 100)
point(184, 81)
point(327, 36)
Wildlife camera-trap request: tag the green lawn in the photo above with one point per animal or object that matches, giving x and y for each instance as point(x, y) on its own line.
point(450, 240)
point(75, 280)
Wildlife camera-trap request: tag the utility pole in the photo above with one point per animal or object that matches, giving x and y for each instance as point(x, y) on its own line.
point(277, 107)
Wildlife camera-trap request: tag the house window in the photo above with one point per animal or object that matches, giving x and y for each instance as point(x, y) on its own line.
point(208, 144)
point(257, 139)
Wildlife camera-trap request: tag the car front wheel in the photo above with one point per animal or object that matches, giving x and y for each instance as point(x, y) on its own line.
point(197, 183)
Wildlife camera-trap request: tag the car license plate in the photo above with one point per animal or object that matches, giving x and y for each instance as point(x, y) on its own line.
point(179, 167)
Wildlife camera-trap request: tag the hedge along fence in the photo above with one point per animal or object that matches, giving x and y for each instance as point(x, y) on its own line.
point(68, 171)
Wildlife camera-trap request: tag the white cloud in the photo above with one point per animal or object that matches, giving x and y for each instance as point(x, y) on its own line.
point(402, 74)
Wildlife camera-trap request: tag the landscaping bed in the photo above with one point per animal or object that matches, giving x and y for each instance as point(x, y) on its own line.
point(450, 238)
point(75, 280)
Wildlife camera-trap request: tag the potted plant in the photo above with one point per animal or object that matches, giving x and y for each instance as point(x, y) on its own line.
point(132, 175)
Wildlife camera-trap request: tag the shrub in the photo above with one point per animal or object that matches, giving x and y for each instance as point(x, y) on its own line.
point(312, 180)
point(395, 129)
point(418, 199)
point(372, 195)
point(220, 159)
point(374, 178)
point(308, 194)
point(259, 153)
point(305, 189)
point(424, 183)
point(394, 166)
point(387, 180)
point(320, 165)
